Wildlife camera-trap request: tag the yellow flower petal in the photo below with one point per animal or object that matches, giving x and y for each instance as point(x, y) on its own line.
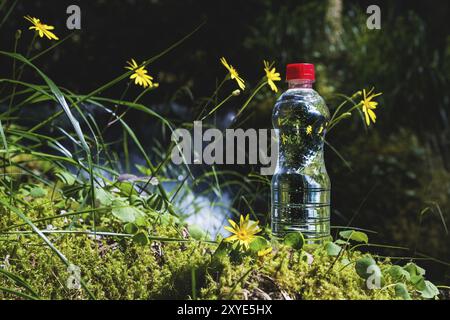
point(140, 75)
point(233, 73)
point(372, 115)
point(366, 115)
point(41, 28)
point(271, 76)
point(368, 105)
point(231, 238)
point(233, 224)
point(264, 252)
point(230, 229)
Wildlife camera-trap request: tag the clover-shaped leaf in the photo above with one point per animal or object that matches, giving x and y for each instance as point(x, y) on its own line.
point(399, 274)
point(428, 290)
point(416, 273)
point(126, 213)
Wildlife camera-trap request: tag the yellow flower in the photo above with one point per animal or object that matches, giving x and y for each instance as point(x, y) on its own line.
point(244, 233)
point(263, 252)
point(309, 130)
point(368, 105)
point(41, 28)
point(140, 75)
point(272, 76)
point(233, 73)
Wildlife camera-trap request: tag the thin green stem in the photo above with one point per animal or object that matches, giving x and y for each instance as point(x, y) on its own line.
point(334, 122)
point(216, 91)
point(52, 47)
point(106, 234)
point(218, 106)
point(261, 85)
point(8, 13)
point(337, 110)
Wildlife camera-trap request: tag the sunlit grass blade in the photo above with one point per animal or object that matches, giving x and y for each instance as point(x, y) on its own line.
point(19, 282)
point(57, 93)
point(18, 293)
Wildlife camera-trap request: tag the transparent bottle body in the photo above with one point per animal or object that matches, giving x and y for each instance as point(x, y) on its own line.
point(300, 184)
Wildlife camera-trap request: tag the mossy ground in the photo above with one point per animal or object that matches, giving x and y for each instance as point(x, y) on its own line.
point(162, 270)
point(119, 268)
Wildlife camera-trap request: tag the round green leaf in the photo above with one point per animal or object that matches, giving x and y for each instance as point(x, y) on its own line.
point(259, 243)
point(362, 265)
point(357, 236)
point(294, 240)
point(141, 238)
point(127, 213)
point(399, 274)
point(38, 192)
point(428, 290)
point(332, 249)
point(131, 228)
point(416, 273)
point(126, 188)
point(401, 291)
point(196, 232)
point(103, 197)
point(140, 219)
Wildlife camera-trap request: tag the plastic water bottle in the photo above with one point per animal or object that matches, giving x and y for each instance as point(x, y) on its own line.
point(300, 184)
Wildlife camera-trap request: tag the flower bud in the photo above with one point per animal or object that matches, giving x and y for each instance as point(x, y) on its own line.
point(18, 34)
point(356, 94)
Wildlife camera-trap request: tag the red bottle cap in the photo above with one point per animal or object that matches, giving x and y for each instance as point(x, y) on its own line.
point(300, 71)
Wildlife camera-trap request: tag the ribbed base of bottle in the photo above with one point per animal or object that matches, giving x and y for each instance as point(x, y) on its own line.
point(313, 221)
point(315, 232)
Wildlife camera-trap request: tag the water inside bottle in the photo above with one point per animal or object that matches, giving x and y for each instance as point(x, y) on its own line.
point(300, 185)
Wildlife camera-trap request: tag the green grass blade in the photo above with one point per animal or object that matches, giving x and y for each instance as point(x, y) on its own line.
point(45, 239)
point(19, 281)
point(56, 92)
point(18, 293)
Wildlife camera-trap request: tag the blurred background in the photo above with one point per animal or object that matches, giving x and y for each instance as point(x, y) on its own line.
point(396, 181)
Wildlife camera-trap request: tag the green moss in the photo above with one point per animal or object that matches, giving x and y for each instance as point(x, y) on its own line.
point(115, 267)
point(163, 270)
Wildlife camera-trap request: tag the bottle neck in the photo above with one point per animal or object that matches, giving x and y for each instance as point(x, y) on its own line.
point(300, 83)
